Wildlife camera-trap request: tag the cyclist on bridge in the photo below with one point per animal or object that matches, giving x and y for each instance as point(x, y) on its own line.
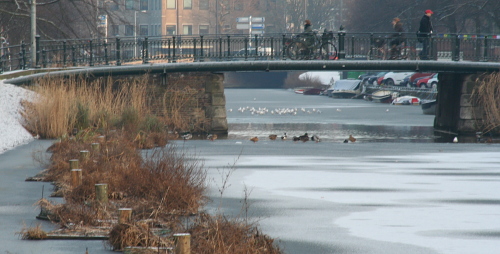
point(397, 38)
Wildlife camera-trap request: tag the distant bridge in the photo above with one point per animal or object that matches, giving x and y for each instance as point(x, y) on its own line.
point(458, 59)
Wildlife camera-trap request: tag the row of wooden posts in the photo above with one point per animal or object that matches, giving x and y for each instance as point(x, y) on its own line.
point(182, 240)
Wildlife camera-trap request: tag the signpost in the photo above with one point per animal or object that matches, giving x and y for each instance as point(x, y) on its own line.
point(255, 25)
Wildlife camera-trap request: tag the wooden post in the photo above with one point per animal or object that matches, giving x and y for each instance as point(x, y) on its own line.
point(73, 164)
point(96, 147)
point(101, 139)
point(125, 215)
point(84, 155)
point(182, 243)
point(101, 193)
point(76, 177)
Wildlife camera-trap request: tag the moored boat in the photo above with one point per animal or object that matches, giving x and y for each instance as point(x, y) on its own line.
point(429, 107)
point(383, 96)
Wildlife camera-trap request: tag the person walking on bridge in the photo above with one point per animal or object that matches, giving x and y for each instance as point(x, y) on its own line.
point(424, 33)
point(397, 38)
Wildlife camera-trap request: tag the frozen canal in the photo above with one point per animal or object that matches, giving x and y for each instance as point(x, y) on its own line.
point(399, 188)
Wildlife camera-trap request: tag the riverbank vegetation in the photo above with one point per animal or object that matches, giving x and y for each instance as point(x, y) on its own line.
point(486, 95)
point(164, 187)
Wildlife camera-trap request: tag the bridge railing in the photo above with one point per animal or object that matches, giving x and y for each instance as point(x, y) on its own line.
point(135, 50)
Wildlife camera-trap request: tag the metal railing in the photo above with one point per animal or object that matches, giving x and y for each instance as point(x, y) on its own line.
point(128, 50)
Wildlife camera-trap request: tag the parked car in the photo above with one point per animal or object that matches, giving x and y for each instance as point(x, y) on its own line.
point(422, 81)
point(433, 82)
point(406, 81)
point(395, 78)
point(372, 79)
point(419, 75)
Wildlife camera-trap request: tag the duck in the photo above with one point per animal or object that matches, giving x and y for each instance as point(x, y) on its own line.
point(455, 140)
point(304, 137)
point(254, 139)
point(352, 139)
point(296, 138)
point(284, 137)
point(186, 135)
point(273, 136)
point(212, 137)
point(315, 138)
point(346, 141)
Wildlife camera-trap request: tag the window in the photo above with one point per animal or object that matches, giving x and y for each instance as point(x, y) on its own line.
point(129, 4)
point(203, 4)
point(203, 29)
point(171, 4)
point(187, 30)
point(143, 30)
point(112, 6)
point(129, 30)
point(115, 30)
point(171, 30)
point(188, 4)
point(144, 5)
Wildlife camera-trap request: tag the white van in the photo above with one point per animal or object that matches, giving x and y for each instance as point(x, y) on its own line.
point(395, 78)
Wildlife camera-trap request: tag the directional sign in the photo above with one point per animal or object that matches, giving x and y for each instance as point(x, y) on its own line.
point(242, 26)
point(103, 20)
point(257, 26)
point(243, 20)
point(257, 31)
point(258, 19)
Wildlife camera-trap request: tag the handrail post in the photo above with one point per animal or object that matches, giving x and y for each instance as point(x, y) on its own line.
point(173, 49)
point(485, 53)
point(145, 51)
point(73, 55)
point(341, 44)
point(64, 53)
point(118, 52)
point(91, 54)
point(106, 57)
point(352, 46)
point(44, 59)
point(272, 48)
point(256, 46)
point(37, 53)
point(194, 50)
point(220, 48)
point(228, 47)
point(201, 49)
point(246, 48)
point(456, 49)
point(283, 45)
point(23, 55)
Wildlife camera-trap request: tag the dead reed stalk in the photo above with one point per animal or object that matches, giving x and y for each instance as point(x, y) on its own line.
point(485, 94)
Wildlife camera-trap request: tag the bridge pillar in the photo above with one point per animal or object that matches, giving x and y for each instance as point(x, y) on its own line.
point(456, 113)
point(215, 109)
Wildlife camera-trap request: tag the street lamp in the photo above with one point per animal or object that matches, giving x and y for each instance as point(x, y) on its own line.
point(135, 30)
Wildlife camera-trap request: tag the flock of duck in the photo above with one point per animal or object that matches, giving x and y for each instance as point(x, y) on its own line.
point(303, 138)
point(276, 111)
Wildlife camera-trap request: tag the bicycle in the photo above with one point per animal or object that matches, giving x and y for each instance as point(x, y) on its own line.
point(378, 51)
point(322, 47)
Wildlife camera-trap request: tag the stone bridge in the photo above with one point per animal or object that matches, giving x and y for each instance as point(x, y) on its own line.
point(456, 112)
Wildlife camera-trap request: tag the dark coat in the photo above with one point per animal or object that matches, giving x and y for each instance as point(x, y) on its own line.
point(308, 28)
point(425, 26)
point(398, 28)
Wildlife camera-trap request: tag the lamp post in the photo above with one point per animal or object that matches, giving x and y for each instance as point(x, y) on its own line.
point(33, 32)
point(135, 30)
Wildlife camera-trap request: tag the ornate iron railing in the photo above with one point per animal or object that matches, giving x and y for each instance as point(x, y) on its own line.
point(273, 47)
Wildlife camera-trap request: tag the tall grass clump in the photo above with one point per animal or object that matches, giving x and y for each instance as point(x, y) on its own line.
point(486, 95)
point(63, 104)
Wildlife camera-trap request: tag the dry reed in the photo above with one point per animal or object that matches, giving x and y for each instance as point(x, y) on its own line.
point(33, 233)
point(486, 95)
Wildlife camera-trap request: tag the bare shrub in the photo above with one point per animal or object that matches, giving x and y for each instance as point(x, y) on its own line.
point(218, 234)
point(486, 95)
point(33, 233)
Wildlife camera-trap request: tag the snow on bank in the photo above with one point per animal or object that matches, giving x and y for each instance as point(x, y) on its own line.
point(325, 77)
point(12, 133)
